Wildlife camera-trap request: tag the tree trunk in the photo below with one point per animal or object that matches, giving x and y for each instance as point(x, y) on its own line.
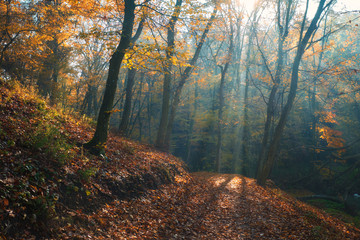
point(97, 143)
point(89, 105)
point(124, 123)
point(221, 102)
point(127, 106)
point(246, 133)
point(312, 99)
point(140, 105)
point(220, 119)
point(283, 33)
point(183, 79)
point(149, 107)
point(160, 140)
point(191, 127)
point(265, 170)
point(237, 85)
point(95, 102)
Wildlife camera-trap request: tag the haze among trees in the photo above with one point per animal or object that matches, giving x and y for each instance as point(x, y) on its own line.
point(269, 92)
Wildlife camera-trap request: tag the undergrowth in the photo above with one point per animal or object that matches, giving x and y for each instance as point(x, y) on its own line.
point(337, 210)
point(34, 145)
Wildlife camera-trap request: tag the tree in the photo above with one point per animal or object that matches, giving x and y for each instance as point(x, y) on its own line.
point(223, 72)
point(92, 66)
point(97, 143)
point(246, 132)
point(283, 32)
point(266, 165)
point(123, 127)
point(160, 139)
point(184, 77)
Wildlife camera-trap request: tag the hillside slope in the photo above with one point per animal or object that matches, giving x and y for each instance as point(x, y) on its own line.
point(47, 181)
point(51, 188)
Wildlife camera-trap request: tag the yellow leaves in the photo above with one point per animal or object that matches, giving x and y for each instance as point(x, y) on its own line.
point(152, 56)
point(128, 61)
point(330, 117)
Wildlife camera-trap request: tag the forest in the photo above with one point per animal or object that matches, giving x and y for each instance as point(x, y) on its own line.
point(268, 90)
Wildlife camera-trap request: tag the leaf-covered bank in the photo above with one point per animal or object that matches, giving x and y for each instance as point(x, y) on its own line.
point(47, 180)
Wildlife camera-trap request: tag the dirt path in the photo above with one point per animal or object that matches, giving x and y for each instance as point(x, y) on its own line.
point(212, 206)
point(242, 210)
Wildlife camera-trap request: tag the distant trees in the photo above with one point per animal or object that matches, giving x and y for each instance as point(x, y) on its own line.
point(92, 66)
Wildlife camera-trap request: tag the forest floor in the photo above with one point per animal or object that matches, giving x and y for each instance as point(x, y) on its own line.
point(51, 188)
point(214, 206)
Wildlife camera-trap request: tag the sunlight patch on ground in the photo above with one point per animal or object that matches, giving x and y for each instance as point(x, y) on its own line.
point(234, 183)
point(218, 181)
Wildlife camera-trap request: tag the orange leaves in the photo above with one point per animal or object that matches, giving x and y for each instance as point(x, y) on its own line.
point(4, 203)
point(329, 117)
point(328, 133)
point(113, 111)
point(332, 137)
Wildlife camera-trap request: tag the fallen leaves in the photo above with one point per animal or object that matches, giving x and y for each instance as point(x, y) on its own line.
point(204, 209)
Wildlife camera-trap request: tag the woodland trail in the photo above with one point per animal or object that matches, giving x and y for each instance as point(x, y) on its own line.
point(239, 209)
point(214, 206)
